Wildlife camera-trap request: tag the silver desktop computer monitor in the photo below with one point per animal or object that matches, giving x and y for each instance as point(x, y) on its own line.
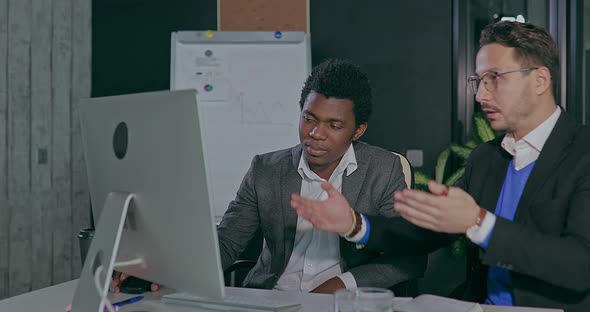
point(148, 183)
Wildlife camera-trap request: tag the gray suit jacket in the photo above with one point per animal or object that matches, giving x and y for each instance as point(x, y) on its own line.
point(263, 200)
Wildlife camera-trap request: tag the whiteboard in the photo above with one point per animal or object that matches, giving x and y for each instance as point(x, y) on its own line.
point(248, 86)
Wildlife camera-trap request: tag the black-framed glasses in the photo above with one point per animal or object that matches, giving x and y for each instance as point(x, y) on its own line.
point(490, 79)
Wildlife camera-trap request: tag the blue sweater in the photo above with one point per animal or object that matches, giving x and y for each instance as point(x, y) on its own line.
point(499, 281)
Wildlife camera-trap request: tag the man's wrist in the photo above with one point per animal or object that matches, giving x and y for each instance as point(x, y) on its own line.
point(484, 223)
point(356, 227)
point(352, 226)
point(362, 236)
point(482, 214)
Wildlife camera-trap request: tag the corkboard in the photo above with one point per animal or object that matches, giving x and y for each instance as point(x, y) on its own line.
point(263, 15)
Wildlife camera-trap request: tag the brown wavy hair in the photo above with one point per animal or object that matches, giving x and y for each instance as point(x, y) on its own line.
point(533, 45)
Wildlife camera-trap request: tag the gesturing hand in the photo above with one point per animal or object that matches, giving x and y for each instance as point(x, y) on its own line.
point(332, 215)
point(454, 212)
point(118, 279)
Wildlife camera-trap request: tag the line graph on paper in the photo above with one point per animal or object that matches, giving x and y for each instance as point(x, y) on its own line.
point(261, 111)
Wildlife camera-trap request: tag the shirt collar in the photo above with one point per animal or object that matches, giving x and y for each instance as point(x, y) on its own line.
point(347, 162)
point(536, 138)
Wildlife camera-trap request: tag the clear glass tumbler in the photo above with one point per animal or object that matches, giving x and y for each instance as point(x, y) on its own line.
point(363, 299)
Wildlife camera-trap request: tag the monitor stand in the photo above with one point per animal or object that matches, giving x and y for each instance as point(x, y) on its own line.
point(103, 251)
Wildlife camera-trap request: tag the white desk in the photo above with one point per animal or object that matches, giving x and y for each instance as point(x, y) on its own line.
point(56, 298)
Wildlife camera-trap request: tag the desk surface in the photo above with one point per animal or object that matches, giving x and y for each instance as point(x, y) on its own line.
point(56, 298)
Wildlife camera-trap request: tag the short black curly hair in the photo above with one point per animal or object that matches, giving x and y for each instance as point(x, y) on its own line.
point(341, 79)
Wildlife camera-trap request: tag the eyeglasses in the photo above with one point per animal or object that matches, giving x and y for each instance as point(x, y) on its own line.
point(490, 79)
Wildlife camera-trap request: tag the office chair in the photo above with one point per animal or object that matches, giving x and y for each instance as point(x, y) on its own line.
point(234, 275)
point(445, 271)
point(407, 169)
point(407, 288)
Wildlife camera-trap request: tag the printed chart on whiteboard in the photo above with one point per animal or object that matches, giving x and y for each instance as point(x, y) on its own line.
point(248, 85)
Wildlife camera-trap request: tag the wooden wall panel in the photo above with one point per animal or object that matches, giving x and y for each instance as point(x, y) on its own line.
point(283, 15)
point(4, 208)
point(19, 116)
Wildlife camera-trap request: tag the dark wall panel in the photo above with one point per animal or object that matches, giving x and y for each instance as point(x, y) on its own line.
point(406, 49)
point(131, 41)
point(404, 46)
point(587, 90)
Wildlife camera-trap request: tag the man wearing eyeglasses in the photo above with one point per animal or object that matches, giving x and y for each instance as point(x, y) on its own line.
point(524, 200)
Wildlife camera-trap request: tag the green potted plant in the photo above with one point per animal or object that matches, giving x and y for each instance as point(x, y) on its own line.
point(443, 173)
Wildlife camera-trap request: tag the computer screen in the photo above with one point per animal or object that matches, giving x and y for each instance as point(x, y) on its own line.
point(144, 151)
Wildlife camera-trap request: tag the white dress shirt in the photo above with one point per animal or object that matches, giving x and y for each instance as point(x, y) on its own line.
point(524, 151)
point(316, 254)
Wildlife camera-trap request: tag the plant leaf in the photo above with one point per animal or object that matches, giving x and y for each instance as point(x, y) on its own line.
point(452, 180)
point(421, 180)
point(483, 129)
point(462, 152)
point(471, 144)
point(441, 164)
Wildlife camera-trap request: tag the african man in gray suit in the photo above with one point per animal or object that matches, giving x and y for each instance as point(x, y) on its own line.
point(335, 107)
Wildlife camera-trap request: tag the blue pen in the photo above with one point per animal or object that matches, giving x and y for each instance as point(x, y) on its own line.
point(128, 301)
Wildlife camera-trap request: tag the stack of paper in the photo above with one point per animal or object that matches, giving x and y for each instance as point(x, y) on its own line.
point(432, 303)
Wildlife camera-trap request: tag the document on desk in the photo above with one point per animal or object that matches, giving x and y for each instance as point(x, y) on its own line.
point(432, 303)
